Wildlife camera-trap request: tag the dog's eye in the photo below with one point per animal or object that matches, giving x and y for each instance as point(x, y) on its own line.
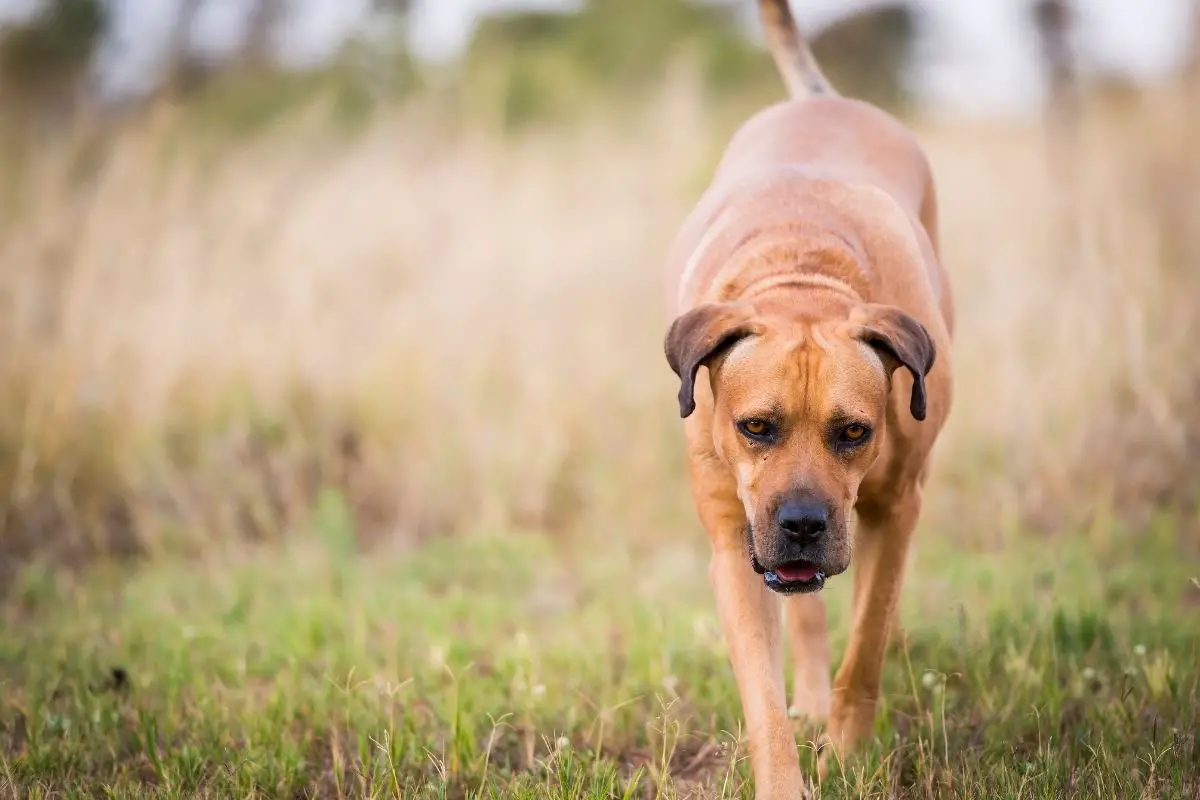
point(854, 432)
point(852, 436)
point(755, 428)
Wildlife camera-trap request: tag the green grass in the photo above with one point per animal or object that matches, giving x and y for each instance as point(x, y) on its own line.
point(511, 666)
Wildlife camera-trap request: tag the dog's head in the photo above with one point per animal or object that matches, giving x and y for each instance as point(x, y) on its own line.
point(799, 408)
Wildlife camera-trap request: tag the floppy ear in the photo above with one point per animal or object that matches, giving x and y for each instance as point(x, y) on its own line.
point(900, 341)
point(698, 336)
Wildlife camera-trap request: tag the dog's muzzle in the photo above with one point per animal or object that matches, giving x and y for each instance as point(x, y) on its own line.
point(797, 562)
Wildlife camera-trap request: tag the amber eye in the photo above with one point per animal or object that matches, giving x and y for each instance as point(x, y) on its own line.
point(854, 433)
point(756, 429)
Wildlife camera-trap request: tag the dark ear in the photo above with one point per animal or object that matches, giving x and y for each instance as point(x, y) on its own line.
point(698, 336)
point(900, 341)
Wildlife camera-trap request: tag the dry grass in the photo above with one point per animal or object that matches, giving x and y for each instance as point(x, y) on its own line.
point(1073, 363)
point(459, 329)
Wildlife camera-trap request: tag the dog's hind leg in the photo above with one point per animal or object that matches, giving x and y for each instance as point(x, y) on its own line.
point(808, 635)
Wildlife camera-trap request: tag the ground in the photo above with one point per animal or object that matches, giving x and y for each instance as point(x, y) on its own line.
point(509, 665)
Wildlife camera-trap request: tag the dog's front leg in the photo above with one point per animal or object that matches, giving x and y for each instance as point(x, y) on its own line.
point(750, 618)
point(882, 546)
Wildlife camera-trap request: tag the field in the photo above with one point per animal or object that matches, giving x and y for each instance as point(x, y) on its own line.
point(345, 463)
point(493, 666)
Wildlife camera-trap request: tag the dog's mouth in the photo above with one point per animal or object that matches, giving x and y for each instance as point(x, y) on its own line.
point(795, 577)
point(798, 576)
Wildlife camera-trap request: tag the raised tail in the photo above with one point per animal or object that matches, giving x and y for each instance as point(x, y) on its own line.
point(801, 73)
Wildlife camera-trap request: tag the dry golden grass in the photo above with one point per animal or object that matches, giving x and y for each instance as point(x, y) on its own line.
point(459, 329)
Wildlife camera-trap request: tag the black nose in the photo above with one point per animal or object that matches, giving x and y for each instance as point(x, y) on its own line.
point(803, 520)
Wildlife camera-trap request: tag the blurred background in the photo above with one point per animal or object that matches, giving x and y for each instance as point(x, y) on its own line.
point(264, 261)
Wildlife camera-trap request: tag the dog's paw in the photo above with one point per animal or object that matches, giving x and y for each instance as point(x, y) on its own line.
point(803, 791)
point(806, 727)
point(810, 708)
point(816, 712)
point(850, 726)
point(782, 784)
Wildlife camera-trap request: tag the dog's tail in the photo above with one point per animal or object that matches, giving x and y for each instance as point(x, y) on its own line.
point(795, 61)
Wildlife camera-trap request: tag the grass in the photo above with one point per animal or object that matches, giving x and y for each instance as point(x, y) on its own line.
point(510, 666)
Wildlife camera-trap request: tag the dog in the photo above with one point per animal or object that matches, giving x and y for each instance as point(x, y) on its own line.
point(807, 284)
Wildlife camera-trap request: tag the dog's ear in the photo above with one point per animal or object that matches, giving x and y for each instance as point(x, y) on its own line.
point(698, 336)
point(900, 341)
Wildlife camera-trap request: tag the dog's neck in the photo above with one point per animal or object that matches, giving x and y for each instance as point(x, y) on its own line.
point(786, 287)
point(774, 270)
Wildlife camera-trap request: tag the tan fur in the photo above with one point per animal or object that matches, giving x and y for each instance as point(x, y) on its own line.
point(807, 284)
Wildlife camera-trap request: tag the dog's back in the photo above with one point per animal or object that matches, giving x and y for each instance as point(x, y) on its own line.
point(829, 137)
point(821, 134)
point(798, 150)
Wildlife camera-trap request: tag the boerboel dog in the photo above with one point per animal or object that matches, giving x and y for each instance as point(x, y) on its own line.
point(807, 284)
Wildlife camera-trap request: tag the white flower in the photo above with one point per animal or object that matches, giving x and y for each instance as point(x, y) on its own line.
point(563, 743)
point(930, 679)
point(1139, 650)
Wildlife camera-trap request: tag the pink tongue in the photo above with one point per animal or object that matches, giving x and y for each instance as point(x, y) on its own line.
point(797, 571)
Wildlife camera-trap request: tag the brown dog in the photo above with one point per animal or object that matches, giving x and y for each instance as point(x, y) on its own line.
point(807, 283)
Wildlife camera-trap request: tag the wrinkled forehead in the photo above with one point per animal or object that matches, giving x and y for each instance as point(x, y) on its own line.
point(809, 371)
